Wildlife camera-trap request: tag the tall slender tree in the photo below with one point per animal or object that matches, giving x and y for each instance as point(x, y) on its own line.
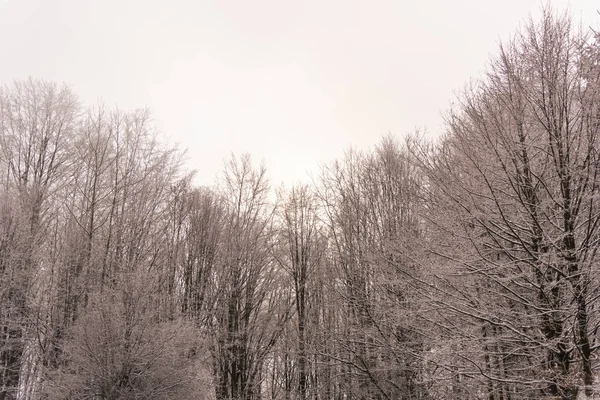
point(519, 170)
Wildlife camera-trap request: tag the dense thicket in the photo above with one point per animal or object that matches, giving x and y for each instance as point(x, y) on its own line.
point(461, 269)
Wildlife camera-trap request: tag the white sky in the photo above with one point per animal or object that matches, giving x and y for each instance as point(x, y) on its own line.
point(291, 82)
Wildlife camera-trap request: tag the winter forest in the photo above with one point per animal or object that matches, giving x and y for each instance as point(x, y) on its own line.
point(464, 267)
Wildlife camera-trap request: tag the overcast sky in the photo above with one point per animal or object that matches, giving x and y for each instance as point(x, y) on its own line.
point(291, 82)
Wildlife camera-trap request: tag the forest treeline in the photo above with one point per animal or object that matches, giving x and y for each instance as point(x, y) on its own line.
point(464, 268)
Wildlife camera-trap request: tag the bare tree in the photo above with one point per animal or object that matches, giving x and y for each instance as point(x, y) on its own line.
point(371, 203)
point(519, 170)
point(37, 121)
point(302, 244)
point(252, 307)
point(120, 349)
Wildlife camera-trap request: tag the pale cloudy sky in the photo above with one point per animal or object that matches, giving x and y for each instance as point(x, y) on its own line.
point(291, 82)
